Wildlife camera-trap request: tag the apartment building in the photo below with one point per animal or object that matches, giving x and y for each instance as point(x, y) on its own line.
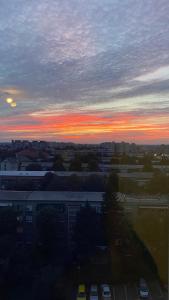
point(67, 204)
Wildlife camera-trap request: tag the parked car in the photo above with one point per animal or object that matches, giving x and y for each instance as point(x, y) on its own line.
point(106, 292)
point(81, 292)
point(93, 293)
point(143, 289)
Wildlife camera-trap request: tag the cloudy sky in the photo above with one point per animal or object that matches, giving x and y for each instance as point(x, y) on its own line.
point(85, 70)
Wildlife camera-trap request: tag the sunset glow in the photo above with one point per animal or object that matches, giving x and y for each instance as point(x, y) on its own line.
point(74, 72)
point(89, 128)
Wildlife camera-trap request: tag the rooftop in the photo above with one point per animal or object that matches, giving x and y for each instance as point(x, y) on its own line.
point(50, 196)
point(43, 173)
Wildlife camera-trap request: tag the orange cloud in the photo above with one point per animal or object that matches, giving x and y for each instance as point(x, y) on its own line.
point(89, 127)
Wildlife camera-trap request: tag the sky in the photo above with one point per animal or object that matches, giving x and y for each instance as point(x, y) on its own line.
point(85, 71)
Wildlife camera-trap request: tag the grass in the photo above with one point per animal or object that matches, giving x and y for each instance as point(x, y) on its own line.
point(152, 226)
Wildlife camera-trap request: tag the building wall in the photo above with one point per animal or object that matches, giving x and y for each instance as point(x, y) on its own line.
point(9, 165)
point(27, 212)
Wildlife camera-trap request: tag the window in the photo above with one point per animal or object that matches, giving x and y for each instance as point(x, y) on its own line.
point(28, 219)
point(29, 208)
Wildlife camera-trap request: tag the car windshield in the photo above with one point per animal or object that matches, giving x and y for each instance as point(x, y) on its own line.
point(93, 293)
point(81, 294)
point(145, 290)
point(107, 293)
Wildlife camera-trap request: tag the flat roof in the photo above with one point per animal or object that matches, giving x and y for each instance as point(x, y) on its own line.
point(141, 175)
point(121, 166)
point(51, 196)
point(43, 173)
point(14, 195)
point(66, 196)
point(23, 173)
point(127, 199)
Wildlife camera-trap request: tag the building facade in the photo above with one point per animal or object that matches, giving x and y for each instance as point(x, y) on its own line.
point(29, 204)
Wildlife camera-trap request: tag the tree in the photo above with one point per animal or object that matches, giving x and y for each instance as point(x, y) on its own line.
point(159, 184)
point(147, 161)
point(8, 225)
point(34, 167)
point(87, 231)
point(93, 165)
point(50, 230)
point(47, 179)
point(115, 223)
point(128, 186)
point(113, 219)
point(74, 183)
point(126, 159)
point(115, 160)
point(164, 160)
point(76, 165)
point(112, 184)
point(58, 164)
point(8, 221)
point(94, 183)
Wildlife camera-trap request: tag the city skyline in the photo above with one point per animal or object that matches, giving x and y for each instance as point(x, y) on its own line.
point(85, 72)
point(30, 141)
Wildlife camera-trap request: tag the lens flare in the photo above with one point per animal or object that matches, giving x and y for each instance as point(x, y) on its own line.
point(9, 100)
point(13, 104)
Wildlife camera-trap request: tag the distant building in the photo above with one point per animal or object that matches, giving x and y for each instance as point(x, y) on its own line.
point(12, 179)
point(9, 164)
point(45, 165)
point(140, 177)
point(120, 167)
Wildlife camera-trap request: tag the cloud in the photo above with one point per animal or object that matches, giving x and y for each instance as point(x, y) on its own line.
point(60, 57)
point(160, 74)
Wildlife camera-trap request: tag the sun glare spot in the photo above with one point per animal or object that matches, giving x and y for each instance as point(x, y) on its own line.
point(9, 100)
point(13, 104)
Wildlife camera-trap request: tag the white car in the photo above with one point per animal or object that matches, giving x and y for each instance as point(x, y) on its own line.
point(93, 293)
point(143, 289)
point(106, 293)
point(144, 294)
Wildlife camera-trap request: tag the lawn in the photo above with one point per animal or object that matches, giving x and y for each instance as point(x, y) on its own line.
point(152, 227)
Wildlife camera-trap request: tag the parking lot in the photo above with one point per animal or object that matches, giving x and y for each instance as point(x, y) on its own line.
point(130, 292)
